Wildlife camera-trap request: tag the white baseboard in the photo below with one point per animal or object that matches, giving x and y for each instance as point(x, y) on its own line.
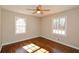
point(19, 40)
point(62, 43)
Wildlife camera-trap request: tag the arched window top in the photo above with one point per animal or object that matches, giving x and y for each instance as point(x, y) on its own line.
point(20, 21)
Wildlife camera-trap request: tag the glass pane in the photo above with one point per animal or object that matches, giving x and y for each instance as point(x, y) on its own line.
point(62, 21)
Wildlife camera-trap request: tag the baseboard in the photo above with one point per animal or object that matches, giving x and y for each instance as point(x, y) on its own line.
point(19, 40)
point(62, 43)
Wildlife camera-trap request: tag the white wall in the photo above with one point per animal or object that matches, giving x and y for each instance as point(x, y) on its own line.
point(0, 29)
point(72, 38)
point(8, 27)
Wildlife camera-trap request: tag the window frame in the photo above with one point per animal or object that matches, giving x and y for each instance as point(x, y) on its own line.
point(65, 29)
point(16, 18)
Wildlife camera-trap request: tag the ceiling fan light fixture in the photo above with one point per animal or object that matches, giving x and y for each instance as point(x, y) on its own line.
point(38, 12)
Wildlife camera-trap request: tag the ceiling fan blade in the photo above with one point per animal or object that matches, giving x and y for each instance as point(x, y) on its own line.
point(46, 10)
point(31, 9)
point(34, 12)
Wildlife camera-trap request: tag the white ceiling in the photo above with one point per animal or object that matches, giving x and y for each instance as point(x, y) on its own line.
point(23, 9)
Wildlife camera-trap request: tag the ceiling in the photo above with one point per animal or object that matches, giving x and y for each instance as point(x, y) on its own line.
point(53, 9)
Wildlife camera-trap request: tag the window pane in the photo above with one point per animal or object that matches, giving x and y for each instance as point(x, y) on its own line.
point(62, 21)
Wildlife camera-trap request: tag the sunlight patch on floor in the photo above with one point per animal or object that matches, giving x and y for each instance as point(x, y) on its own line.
point(34, 48)
point(42, 51)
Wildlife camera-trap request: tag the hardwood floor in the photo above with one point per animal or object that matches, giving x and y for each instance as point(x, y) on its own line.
point(50, 46)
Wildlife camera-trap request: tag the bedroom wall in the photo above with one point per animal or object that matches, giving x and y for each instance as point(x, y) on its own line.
point(8, 27)
point(0, 29)
point(72, 37)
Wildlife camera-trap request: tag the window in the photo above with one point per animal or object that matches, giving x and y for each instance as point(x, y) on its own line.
point(59, 25)
point(20, 25)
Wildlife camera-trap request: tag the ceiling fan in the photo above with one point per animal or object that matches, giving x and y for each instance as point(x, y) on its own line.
point(39, 10)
